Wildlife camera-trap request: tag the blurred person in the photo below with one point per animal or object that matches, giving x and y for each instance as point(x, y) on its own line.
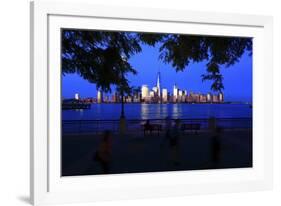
point(104, 152)
point(216, 146)
point(174, 143)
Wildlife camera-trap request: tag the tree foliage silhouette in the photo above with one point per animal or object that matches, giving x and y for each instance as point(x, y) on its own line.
point(180, 50)
point(98, 56)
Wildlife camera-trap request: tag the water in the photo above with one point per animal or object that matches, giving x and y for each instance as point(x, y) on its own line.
point(159, 111)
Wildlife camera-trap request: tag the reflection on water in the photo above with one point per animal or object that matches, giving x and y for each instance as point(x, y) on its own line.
point(164, 110)
point(144, 111)
point(176, 111)
point(160, 111)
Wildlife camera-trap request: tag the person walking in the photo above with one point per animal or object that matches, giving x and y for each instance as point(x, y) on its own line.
point(174, 143)
point(104, 152)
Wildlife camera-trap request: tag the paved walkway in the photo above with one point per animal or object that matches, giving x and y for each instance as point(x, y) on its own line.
point(151, 153)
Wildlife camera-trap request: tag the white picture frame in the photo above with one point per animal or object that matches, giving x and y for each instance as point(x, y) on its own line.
point(47, 18)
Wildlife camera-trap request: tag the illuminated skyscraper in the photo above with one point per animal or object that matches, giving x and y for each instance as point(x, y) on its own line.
point(175, 90)
point(76, 96)
point(175, 93)
point(155, 89)
point(144, 92)
point(158, 85)
point(220, 97)
point(164, 95)
point(151, 94)
point(209, 97)
point(180, 93)
point(99, 97)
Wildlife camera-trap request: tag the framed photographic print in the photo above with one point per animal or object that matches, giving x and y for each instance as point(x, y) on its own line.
point(134, 103)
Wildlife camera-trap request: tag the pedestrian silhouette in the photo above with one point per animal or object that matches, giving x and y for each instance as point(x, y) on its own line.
point(216, 146)
point(104, 151)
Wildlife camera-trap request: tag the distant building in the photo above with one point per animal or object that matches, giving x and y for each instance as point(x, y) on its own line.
point(105, 98)
point(129, 99)
point(221, 98)
point(76, 96)
point(175, 93)
point(144, 92)
point(114, 98)
point(151, 94)
point(215, 99)
point(196, 98)
point(180, 93)
point(203, 98)
point(99, 97)
point(175, 90)
point(158, 85)
point(155, 89)
point(209, 97)
point(165, 95)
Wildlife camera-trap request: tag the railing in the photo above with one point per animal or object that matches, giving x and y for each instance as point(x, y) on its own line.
point(98, 126)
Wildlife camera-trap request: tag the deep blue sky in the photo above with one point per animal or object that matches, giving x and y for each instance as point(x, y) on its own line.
point(237, 78)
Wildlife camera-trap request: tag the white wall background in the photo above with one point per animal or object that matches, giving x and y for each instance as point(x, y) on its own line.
point(14, 101)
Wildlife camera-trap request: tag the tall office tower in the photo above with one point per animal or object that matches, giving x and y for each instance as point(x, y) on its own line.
point(158, 85)
point(180, 93)
point(179, 98)
point(164, 95)
point(209, 97)
point(76, 96)
point(99, 96)
point(155, 89)
point(184, 98)
point(221, 97)
point(175, 90)
point(151, 94)
point(175, 93)
point(144, 92)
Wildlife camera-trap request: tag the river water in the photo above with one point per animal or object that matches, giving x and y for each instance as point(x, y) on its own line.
point(159, 111)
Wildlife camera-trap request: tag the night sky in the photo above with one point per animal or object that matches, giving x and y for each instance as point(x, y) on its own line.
point(237, 78)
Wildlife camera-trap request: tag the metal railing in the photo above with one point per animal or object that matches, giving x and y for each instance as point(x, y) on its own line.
point(98, 126)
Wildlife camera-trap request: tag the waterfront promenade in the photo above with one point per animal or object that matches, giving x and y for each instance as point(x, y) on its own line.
point(135, 152)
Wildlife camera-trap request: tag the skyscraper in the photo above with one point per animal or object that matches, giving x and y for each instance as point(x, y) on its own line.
point(175, 93)
point(155, 89)
point(175, 90)
point(158, 85)
point(77, 96)
point(144, 92)
point(221, 97)
point(99, 97)
point(209, 97)
point(165, 95)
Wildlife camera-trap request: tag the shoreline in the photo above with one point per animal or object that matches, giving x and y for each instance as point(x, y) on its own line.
point(163, 103)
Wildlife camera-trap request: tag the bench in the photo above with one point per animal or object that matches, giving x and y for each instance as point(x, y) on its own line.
point(194, 127)
point(151, 128)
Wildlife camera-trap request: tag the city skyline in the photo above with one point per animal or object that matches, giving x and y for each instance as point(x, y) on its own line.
point(156, 94)
point(157, 91)
point(237, 78)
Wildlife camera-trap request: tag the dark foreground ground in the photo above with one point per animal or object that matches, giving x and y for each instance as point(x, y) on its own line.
point(152, 153)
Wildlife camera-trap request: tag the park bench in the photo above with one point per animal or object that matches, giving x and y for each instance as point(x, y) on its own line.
point(193, 127)
point(151, 128)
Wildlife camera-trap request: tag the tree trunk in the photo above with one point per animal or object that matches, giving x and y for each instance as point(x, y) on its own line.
point(122, 105)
